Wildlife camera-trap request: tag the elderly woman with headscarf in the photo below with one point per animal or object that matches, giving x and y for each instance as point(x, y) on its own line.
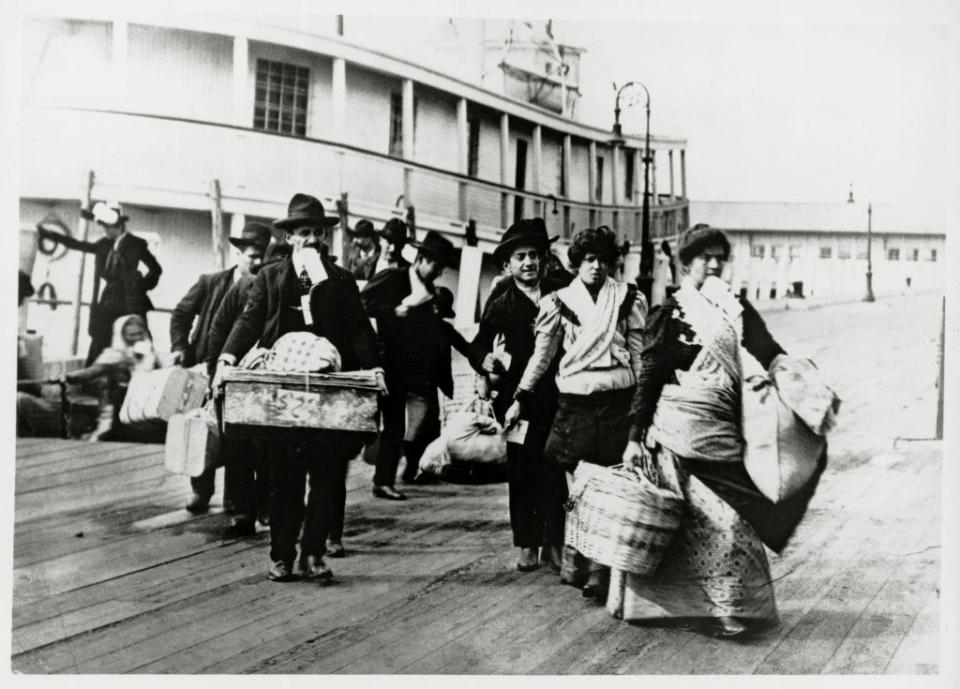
point(131, 349)
point(687, 425)
point(598, 323)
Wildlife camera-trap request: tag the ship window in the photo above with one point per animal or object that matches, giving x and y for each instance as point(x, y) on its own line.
point(396, 124)
point(473, 147)
point(280, 103)
point(599, 189)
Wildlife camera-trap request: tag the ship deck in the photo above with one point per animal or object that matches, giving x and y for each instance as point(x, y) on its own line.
point(111, 575)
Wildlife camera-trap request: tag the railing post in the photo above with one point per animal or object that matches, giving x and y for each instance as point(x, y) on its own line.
point(216, 222)
point(83, 230)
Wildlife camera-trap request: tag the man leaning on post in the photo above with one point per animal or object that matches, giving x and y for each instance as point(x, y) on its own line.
point(305, 292)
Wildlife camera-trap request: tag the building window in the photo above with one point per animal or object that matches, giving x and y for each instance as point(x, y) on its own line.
point(280, 103)
point(826, 252)
point(757, 250)
point(599, 189)
point(913, 255)
point(473, 147)
point(932, 256)
point(862, 255)
point(893, 254)
point(396, 124)
point(631, 168)
point(843, 254)
point(794, 251)
point(774, 251)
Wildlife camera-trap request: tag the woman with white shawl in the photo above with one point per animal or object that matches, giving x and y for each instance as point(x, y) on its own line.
point(596, 323)
point(687, 423)
point(131, 349)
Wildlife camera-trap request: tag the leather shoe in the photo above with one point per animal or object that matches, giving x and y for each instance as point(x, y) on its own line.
point(279, 571)
point(335, 549)
point(240, 527)
point(388, 493)
point(198, 504)
point(312, 567)
point(527, 562)
point(597, 586)
point(729, 627)
point(551, 556)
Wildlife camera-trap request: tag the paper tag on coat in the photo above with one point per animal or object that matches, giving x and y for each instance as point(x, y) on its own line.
point(518, 432)
point(305, 308)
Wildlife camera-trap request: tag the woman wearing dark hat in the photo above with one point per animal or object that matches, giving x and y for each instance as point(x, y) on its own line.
point(401, 301)
point(686, 412)
point(597, 323)
point(395, 234)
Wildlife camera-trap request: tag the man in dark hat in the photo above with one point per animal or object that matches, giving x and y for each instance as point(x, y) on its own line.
point(199, 304)
point(366, 250)
point(522, 252)
point(401, 301)
point(117, 257)
point(305, 292)
point(395, 234)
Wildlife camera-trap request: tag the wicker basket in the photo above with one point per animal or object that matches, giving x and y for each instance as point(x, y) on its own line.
point(617, 516)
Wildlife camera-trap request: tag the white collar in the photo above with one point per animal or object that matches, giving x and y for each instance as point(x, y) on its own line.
point(309, 260)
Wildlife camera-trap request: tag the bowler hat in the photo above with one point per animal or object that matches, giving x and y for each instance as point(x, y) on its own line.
point(253, 234)
point(394, 231)
point(363, 228)
point(108, 213)
point(438, 247)
point(305, 210)
point(444, 301)
point(527, 232)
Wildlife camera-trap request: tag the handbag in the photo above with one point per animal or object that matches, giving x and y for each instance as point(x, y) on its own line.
point(623, 517)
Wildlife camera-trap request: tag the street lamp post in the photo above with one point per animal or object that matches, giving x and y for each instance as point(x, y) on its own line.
point(645, 279)
point(869, 295)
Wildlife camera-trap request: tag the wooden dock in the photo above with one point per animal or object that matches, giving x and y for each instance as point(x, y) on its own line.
point(111, 575)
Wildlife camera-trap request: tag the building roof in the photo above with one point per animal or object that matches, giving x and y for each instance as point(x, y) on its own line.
point(819, 217)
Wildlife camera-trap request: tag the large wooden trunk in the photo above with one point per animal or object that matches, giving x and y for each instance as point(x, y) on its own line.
point(318, 401)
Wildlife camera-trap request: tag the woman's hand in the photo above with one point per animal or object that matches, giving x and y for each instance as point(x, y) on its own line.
point(633, 454)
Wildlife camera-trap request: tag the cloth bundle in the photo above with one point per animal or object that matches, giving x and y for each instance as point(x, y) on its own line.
point(623, 517)
point(786, 415)
point(302, 352)
point(474, 435)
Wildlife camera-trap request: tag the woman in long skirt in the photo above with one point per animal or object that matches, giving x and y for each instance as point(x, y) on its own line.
point(686, 414)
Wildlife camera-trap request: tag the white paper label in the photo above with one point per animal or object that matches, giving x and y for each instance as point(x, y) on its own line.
point(305, 308)
point(518, 432)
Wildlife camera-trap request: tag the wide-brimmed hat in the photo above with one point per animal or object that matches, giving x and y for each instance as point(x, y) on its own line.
point(394, 231)
point(438, 247)
point(530, 232)
point(305, 210)
point(444, 301)
point(253, 234)
point(107, 213)
point(363, 228)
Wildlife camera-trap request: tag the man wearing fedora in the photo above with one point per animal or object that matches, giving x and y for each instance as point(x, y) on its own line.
point(394, 234)
point(401, 301)
point(366, 250)
point(199, 305)
point(305, 292)
point(511, 312)
point(117, 258)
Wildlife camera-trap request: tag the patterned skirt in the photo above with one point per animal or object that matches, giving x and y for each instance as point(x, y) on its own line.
point(715, 567)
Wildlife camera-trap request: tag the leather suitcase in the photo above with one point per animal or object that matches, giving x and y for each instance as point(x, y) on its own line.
point(192, 445)
point(159, 394)
point(314, 401)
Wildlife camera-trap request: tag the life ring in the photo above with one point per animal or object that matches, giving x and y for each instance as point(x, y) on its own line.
point(49, 247)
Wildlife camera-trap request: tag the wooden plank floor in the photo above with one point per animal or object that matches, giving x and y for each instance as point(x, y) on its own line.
point(111, 575)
